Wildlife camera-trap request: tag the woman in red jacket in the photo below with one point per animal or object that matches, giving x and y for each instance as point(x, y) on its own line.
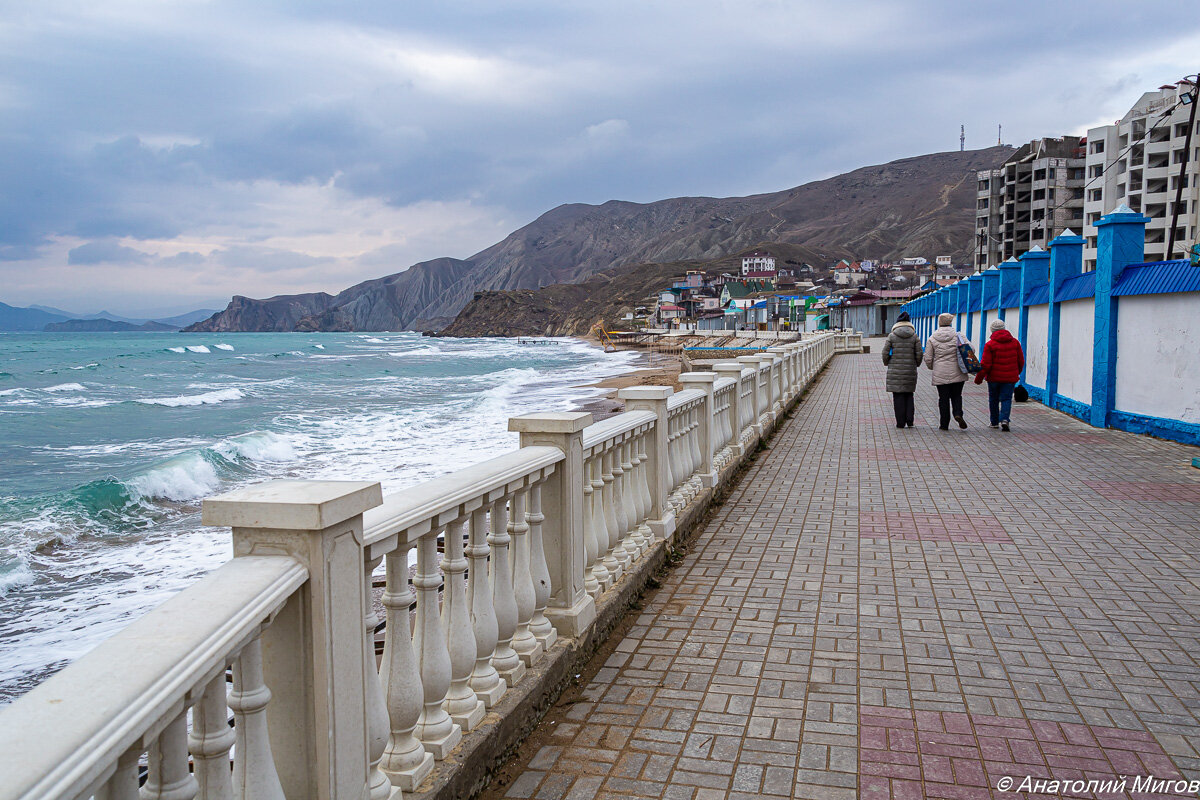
point(1001, 365)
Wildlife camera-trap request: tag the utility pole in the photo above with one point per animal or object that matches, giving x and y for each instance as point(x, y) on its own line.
point(1187, 151)
point(999, 138)
point(962, 138)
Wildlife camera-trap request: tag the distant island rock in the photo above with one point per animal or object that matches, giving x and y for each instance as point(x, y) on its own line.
point(105, 326)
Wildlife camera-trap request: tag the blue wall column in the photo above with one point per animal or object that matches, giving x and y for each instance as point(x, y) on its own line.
point(991, 298)
point(974, 296)
point(1010, 281)
point(1066, 261)
point(960, 304)
point(1035, 268)
point(1121, 241)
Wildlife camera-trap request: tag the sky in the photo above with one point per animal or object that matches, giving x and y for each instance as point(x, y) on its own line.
point(162, 155)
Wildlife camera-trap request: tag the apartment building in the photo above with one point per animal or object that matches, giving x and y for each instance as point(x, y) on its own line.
point(1029, 199)
point(1136, 162)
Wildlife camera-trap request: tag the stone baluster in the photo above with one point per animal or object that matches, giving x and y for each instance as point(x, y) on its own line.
point(661, 519)
point(254, 773)
point(486, 682)
point(597, 577)
point(318, 635)
point(755, 408)
point(695, 446)
point(679, 470)
point(703, 381)
point(435, 727)
point(539, 625)
point(524, 642)
point(617, 501)
point(616, 509)
point(506, 661)
point(123, 783)
point(632, 541)
point(643, 481)
point(378, 727)
point(210, 741)
point(167, 776)
point(570, 609)
point(733, 370)
point(405, 760)
point(461, 703)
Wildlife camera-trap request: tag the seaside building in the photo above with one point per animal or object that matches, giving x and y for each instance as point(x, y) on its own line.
point(1036, 194)
point(1136, 162)
point(758, 262)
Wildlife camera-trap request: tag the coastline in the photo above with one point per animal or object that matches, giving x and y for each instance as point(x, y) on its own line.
point(649, 370)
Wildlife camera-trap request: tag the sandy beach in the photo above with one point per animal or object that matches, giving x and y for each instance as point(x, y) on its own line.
point(663, 371)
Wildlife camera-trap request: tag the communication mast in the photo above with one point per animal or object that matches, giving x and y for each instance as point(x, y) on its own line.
point(962, 138)
point(999, 140)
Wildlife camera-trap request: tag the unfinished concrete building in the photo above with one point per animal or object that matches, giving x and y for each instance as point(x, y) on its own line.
point(1029, 199)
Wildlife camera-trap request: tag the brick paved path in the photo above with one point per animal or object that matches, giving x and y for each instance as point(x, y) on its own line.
point(913, 613)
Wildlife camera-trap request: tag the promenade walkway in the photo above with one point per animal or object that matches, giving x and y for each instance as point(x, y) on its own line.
point(912, 613)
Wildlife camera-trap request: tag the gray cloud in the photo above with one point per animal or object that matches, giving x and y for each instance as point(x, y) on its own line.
point(105, 253)
point(320, 143)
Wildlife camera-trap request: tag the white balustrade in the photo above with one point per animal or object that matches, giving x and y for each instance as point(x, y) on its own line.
point(530, 540)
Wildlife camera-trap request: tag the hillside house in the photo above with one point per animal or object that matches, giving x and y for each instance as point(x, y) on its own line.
point(757, 262)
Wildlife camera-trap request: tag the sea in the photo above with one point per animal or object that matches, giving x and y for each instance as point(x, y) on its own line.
point(109, 441)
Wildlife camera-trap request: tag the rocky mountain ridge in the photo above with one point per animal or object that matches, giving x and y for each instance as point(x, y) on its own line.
point(913, 206)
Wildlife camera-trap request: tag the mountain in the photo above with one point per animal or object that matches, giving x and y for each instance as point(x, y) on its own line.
point(105, 325)
point(180, 320)
point(25, 319)
point(915, 206)
point(177, 321)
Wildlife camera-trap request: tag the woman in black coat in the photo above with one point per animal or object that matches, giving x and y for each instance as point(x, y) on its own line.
point(902, 354)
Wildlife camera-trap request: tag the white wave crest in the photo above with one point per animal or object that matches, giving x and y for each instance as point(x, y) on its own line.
point(86, 366)
point(13, 574)
point(10, 392)
point(198, 348)
point(319, 346)
point(208, 398)
point(373, 340)
point(177, 349)
point(65, 387)
point(186, 477)
point(257, 447)
point(223, 346)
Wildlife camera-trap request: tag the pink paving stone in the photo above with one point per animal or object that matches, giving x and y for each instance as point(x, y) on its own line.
point(874, 786)
point(1147, 491)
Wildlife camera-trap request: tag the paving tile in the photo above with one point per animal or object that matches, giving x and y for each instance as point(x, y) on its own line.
point(884, 613)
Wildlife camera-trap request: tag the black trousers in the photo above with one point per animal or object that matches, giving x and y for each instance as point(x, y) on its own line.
point(949, 394)
point(905, 409)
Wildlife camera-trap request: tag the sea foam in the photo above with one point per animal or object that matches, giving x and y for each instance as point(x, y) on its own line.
point(198, 348)
point(208, 398)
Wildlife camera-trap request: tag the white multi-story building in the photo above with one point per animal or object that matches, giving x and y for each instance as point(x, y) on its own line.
point(1036, 194)
point(758, 262)
point(1137, 162)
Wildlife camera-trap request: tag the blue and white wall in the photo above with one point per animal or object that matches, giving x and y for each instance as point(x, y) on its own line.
point(1116, 347)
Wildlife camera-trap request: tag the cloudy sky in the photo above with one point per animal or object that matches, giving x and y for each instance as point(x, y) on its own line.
point(161, 155)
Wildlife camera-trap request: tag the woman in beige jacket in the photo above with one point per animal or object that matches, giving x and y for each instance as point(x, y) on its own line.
point(941, 356)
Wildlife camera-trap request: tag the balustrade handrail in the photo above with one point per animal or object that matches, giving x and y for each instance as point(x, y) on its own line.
point(443, 497)
point(616, 425)
point(64, 737)
point(684, 398)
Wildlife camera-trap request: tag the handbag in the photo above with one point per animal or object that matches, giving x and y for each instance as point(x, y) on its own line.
point(968, 362)
point(1020, 394)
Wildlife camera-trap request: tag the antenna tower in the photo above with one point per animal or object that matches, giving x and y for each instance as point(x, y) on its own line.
point(962, 138)
point(999, 140)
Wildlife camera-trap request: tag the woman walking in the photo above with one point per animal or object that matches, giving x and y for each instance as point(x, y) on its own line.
point(1001, 365)
point(941, 356)
point(902, 355)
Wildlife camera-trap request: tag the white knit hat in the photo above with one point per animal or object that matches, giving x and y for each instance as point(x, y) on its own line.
point(997, 325)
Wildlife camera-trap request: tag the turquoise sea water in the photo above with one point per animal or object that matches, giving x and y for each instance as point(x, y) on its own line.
point(108, 442)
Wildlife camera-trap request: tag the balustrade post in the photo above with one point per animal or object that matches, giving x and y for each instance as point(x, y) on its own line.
point(489, 687)
point(603, 570)
point(461, 703)
point(254, 773)
point(733, 370)
point(781, 379)
point(377, 715)
point(405, 760)
point(704, 382)
point(524, 642)
point(504, 601)
point(570, 608)
point(167, 776)
point(654, 398)
point(539, 626)
point(210, 741)
point(313, 652)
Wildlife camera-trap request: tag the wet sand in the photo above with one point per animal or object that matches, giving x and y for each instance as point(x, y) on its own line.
point(664, 371)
